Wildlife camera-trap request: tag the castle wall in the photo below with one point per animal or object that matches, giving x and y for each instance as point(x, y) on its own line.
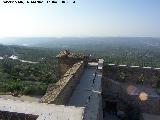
point(5, 115)
point(116, 90)
point(67, 91)
point(64, 66)
point(62, 90)
point(113, 86)
point(132, 73)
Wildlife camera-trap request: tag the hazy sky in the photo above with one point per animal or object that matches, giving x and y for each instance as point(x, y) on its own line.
point(82, 19)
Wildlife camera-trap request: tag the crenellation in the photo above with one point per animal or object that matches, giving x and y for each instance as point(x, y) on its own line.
point(131, 66)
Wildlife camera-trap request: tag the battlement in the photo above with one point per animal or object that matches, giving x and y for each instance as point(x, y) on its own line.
point(131, 66)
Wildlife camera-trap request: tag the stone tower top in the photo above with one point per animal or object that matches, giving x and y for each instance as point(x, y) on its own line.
point(66, 54)
point(63, 54)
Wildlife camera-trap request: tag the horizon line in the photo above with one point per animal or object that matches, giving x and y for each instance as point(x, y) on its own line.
point(79, 37)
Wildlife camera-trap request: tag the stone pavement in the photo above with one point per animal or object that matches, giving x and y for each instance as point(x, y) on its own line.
point(44, 111)
point(83, 90)
point(88, 93)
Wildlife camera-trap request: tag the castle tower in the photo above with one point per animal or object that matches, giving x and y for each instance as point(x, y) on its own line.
point(67, 59)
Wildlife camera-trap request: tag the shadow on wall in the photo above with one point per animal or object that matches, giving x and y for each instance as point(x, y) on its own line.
point(5, 115)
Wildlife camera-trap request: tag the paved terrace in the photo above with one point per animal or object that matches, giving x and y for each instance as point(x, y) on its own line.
point(84, 89)
point(44, 111)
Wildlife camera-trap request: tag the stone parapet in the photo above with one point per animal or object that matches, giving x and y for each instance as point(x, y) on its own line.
point(132, 74)
point(62, 90)
point(131, 66)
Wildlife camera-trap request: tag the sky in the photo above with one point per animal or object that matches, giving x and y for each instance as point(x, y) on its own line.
point(84, 18)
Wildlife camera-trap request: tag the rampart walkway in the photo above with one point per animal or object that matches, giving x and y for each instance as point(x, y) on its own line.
point(88, 93)
point(83, 90)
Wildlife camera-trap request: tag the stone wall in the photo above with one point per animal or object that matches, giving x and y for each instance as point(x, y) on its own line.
point(119, 91)
point(132, 73)
point(64, 66)
point(67, 59)
point(5, 115)
point(151, 105)
point(61, 92)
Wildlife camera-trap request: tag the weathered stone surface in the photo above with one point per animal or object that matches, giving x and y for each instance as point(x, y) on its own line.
point(67, 59)
point(132, 74)
point(40, 110)
point(71, 55)
point(55, 93)
point(120, 91)
point(150, 117)
point(63, 54)
point(5, 115)
point(77, 56)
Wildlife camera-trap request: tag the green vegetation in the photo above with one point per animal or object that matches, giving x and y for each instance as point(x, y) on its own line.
point(129, 51)
point(130, 55)
point(28, 78)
